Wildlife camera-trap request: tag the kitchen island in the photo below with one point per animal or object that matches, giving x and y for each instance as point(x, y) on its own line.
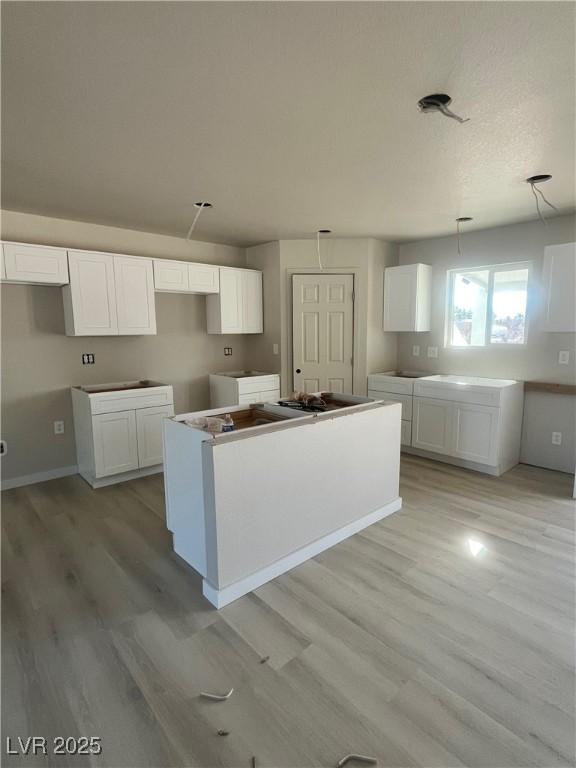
point(246, 506)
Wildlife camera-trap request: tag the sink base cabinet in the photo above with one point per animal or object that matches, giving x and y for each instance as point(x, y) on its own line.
point(119, 445)
point(481, 437)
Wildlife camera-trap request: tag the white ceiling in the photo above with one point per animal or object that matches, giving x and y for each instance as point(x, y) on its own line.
point(288, 116)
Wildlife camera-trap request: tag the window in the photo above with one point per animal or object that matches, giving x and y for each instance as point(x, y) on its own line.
point(487, 305)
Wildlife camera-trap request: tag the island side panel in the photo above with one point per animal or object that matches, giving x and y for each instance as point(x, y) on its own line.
point(278, 492)
point(184, 492)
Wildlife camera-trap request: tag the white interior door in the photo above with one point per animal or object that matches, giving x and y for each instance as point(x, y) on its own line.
point(323, 325)
point(149, 430)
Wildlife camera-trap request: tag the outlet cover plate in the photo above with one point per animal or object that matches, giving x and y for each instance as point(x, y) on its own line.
point(416, 350)
point(563, 357)
point(556, 438)
point(432, 351)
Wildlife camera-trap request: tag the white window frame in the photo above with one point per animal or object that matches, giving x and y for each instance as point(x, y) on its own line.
point(492, 270)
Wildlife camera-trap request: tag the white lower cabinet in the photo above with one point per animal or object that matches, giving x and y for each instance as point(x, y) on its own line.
point(432, 425)
point(472, 421)
point(119, 430)
point(115, 443)
point(243, 387)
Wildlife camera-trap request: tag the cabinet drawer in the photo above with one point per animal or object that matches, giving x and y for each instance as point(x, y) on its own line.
point(35, 264)
point(203, 278)
point(405, 400)
point(464, 393)
point(269, 396)
point(258, 384)
point(381, 383)
point(118, 402)
point(170, 276)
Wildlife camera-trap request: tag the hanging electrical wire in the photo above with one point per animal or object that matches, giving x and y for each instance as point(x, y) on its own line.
point(459, 221)
point(318, 233)
point(534, 181)
point(200, 207)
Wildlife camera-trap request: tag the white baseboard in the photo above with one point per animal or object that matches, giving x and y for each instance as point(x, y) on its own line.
point(221, 597)
point(121, 477)
point(38, 477)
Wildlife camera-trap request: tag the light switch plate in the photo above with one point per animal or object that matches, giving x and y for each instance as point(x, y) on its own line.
point(563, 357)
point(275, 349)
point(556, 438)
point(416, 350)
point(432, 351)
point(58, 427)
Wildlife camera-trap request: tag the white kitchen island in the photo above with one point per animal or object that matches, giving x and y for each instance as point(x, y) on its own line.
point(246, 506)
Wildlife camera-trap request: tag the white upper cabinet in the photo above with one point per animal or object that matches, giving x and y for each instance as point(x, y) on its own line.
point(135, 296)
point(237, 308)
point(39, 264)
point(109, 295)
point(90, 299)
point(185, 277)
point(170, 276)
point(559, 280)
point(407, 297)
point(203, 278)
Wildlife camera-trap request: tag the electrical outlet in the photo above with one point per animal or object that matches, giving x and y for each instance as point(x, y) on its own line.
point(416, 350)
point(3, 447)
point(432, 351)
point(58, 427)
point(227, 351)
point(275, 349)
point(87, 358)
point(563, 357)
point(556, 438)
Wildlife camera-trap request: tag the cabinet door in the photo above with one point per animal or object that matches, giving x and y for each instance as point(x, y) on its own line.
point(407, 291)
point(405, 432)
point(149, 431)
point(171, 276)
point(231, 301)
point(203, 278)
point(432, 425)
point(400, 286)
point(90, 299)
point(115, 446)
point(135, 295)
point(35, 264)
point(252, 302)
point(559, 280)
point(475, 435)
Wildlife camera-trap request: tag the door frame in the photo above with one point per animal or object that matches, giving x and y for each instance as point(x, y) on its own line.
point(306, 272)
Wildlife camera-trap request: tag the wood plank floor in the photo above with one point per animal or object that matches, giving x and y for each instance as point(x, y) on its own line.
point(441, 636)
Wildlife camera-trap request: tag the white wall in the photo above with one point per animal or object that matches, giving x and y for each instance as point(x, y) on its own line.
point(537, 360)
point(40, 363)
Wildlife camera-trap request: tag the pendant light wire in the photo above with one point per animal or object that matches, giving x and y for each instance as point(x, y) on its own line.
point(200, 209)
point(320, 266)
point(548, 203)
point(540, 216)
point(458, 238)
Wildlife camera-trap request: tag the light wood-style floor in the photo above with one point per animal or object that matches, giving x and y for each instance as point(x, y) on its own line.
point(398, 643)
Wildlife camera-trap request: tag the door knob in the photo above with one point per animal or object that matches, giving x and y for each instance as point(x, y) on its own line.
point(298, 370)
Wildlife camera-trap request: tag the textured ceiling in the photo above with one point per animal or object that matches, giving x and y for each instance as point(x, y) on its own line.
point(288, 116)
